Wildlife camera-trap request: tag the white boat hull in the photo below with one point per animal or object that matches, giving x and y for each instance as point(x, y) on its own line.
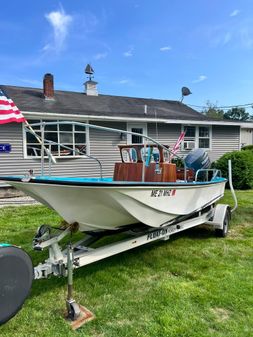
point(110, 207)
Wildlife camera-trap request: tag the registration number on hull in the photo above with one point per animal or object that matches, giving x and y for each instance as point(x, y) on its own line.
point(162, 193)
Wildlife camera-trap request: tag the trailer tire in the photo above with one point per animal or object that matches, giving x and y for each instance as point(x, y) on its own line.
point(223, 232)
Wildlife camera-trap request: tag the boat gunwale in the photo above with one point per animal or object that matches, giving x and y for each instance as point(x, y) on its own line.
point(73, 182)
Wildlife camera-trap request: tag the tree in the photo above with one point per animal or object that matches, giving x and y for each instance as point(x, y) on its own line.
point(212, 111)
point(238, 114)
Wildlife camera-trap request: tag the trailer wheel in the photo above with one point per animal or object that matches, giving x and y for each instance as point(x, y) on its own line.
point(16, 276)
point(223, 232)
point(73, 310)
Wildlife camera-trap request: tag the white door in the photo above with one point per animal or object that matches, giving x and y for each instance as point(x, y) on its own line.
point(246, 137)
point(138, 128)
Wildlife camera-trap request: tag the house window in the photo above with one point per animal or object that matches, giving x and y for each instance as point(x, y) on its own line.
point(189, 142)
point(197, 137)
point(204, 137)
point(138, 128)
point(74, 137)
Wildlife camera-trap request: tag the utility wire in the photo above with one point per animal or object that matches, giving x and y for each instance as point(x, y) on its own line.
point(220, 107)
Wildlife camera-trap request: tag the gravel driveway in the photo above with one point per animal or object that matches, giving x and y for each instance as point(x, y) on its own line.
point(17, 201)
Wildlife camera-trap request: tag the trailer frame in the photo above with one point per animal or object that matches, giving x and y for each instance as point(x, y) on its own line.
point(216, 216)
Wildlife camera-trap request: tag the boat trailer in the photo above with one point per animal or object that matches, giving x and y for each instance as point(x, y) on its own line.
point(217, 216)
point(16, 281)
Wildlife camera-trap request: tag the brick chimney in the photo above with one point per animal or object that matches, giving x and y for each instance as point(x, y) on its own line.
point(48, 86)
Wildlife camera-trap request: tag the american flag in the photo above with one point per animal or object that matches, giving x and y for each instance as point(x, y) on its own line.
point(8, 110)
point(177, 144)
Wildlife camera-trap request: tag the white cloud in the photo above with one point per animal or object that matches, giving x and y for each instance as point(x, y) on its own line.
point(227, 37)
point(100, 56)
point(166, 48)
point(246, 37)
point(201, 78)
point(46, 47)
point(235, 12)
point(60, 23)
point(220, 35)
point(236, 36)
point(30, 81)
point(129, 52)
point(125, 81)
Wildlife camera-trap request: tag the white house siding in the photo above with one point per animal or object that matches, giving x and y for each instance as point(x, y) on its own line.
point(166, 134)
point(103, 146)
point(247, 137)
point(15, 163)
point(224, 139)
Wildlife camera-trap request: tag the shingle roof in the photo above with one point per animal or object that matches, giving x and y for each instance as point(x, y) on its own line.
point(66, 102)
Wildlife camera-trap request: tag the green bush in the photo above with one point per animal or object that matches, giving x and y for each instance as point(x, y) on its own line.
point(178, 161)
point(242, 168)
point(248, 147)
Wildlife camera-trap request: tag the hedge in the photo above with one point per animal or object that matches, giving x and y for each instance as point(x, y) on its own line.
point(242, 168)
point(247, 147)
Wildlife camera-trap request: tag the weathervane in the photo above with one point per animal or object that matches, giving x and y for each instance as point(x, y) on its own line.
point(89, 71)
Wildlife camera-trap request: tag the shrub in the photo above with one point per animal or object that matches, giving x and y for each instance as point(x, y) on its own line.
point(248, 147)
point(242, 168)
point(178, 161)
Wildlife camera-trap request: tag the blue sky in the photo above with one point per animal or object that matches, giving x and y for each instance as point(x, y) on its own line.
point(137, 47)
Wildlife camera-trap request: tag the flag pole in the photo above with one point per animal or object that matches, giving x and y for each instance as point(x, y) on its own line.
point(10, 113)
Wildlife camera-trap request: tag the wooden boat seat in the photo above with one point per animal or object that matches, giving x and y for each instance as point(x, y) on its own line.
point(190, 174)
point(133, 172)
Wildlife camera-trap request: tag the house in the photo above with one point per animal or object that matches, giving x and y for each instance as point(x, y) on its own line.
point(246, 134)
point(161, 119)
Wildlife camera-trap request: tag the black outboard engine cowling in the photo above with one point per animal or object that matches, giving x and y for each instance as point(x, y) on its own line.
point(197, 159)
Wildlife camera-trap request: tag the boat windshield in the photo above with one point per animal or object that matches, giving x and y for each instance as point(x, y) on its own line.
point(129, 155)
point(150, 154)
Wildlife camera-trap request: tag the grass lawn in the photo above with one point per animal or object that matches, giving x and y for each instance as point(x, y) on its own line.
point(192, 285)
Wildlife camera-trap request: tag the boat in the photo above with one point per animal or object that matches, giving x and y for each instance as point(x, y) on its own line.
point(148, 198)
point(146, 188)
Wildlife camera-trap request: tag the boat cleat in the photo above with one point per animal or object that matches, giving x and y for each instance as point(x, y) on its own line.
point(28, 176)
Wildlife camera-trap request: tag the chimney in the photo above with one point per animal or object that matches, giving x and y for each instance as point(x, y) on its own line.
point(48, 86)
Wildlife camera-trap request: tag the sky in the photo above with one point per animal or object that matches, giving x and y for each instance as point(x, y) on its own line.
point(137, 48)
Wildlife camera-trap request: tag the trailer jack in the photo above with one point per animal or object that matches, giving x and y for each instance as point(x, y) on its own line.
point(77, 315)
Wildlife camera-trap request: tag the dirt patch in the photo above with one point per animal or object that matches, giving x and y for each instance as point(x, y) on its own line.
point(221, 314)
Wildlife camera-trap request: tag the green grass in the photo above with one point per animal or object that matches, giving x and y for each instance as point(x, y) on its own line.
point(192, 285)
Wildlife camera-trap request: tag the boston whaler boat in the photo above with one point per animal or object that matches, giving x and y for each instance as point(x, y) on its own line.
point(144, 189)
point(147, 197)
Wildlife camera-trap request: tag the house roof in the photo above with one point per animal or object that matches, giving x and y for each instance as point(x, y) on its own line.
point(76, 103)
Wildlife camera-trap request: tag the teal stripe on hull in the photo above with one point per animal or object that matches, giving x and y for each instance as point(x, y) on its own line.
point(4, 245)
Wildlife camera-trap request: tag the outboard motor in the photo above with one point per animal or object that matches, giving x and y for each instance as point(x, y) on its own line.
point(197, 159)
point(16, 276)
